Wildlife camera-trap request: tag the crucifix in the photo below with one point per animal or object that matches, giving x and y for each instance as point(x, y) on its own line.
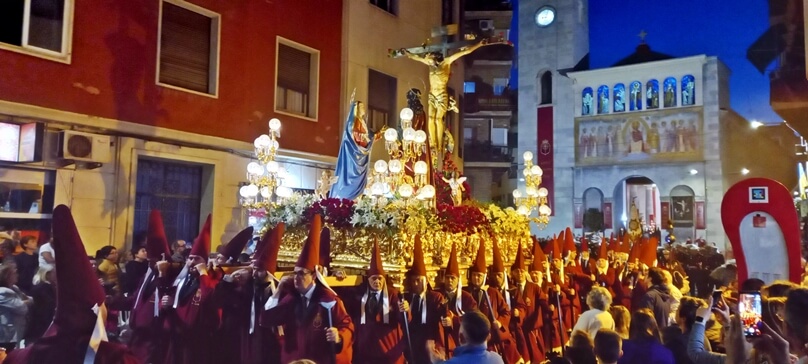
point(642, 35)
point(437, 56)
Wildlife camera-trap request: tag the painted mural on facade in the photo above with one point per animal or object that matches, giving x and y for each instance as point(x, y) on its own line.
point(659, 136)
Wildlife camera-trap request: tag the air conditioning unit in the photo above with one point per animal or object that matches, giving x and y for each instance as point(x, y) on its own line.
point(85, 147)
point(486, 24)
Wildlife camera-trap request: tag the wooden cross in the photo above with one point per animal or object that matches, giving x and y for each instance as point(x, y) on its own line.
point(438, 42)
point(642, 35)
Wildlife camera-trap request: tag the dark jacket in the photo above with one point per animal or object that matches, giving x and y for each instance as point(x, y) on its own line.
point(658, 300)
point(676, 341)
point(645, 352)
point(44, 296)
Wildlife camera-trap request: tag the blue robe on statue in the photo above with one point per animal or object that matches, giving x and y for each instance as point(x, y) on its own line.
point(352, 163)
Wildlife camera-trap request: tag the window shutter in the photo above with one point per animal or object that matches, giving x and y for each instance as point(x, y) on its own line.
point(294, 69)
point(185, 48)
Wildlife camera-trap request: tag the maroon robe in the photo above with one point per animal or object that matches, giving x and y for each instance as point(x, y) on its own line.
point(193, 323)
point(420, 332)
point(605, 280)
point(376, 341)
point(532, 322)
point(622, 294)
point(451, 335)
point(495, 308)
point(304, 327)
point(64, 350)
point(234, 302)
point(263, 345)
point(515, 328)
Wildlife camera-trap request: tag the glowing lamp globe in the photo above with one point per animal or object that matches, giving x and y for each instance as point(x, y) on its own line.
point(244, 192)
point(405, 190)
point(273, 167)
point(420, 136)
point(543, 192)
point(395, 166)
point(380, 166)
point(428, 191)
point(391, 135)
point(406, 114)
point(266, 192)
point(251, 190)
point(408, 134)
point(517, 194)
point(262, 141)
point(274, 124)
point(420, 167)
point(545, 210)
point(531, 191)
point(536, 171)
point(527, 156)
point(523, 210)
point(255, 169)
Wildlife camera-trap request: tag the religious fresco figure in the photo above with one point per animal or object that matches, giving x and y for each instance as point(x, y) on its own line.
point(653, 139)
point(652, 94)
point(586, 101)
point(601, 143)
point(681, 142)
point(610, 141)
point(670, 92)
point(637, 144)
point(670, 137)
point(636, 96)
point(688, 90)
point(603, 99)
point(663, 139)
point(693, 136)
point(619, 97)
point(583, 144)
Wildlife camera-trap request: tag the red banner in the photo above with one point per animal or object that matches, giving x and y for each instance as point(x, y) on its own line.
point(700, 221)
point(607, 215)
point(544, 157)
point(578, 208)
point(666, 214)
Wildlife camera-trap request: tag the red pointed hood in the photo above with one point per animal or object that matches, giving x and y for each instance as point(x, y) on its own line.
point(452, 266)
point(584, 244)
point(538, 256)
point(201, 246)
point(376, 266)
point(77, 288)
point(649, 252)
point(236, 245)
point(418, 267)
point(266, 253)
point(310, 254)
point(548, 247)
point(519, 260)
point(156, 241)
point(498, 265)
point(603, 251)
point(479, 265)
point(556, 249)
point(569, 242)
point(325, 247)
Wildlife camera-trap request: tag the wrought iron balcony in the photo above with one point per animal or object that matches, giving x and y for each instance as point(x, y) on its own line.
point(475, 151)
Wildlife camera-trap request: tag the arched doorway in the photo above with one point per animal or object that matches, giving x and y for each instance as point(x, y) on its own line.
point(682, 212)
point(593, 210)
point(636, 204)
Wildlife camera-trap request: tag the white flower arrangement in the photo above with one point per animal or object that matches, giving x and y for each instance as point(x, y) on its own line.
point(377, 214)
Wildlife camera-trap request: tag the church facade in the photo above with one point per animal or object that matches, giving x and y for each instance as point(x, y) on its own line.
point(647, 142)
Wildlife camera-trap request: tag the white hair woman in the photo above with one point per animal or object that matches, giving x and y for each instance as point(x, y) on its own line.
point(597, 317)
point(44, 295)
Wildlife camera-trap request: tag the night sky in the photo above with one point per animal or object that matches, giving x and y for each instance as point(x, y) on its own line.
point(681, 28)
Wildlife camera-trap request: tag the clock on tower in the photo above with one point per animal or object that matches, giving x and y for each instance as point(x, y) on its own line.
point(545, 16)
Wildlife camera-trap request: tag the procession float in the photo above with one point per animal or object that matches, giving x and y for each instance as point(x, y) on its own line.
point(394, 184)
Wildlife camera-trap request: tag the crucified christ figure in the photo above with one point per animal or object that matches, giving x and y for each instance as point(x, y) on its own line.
point(440, 69)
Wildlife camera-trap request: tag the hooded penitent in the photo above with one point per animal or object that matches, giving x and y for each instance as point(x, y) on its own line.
point(453, 268)
point(236, 245)
point(201, 246)
point(519, 260)
point(418, 269)
point(498, 266)
point(266, 253)
point(569, 242)
point(603, 252)
point(556, 250)
point(538, 257)
point(479, 265)
point(584, 244)
point(310, 254)
point(156, 242)
point(376, 268)
point(79, 298)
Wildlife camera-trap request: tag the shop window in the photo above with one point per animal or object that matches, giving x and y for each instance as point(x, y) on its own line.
point(297, 73)
point(39, 27)
point(188, 47)
point(175, 189)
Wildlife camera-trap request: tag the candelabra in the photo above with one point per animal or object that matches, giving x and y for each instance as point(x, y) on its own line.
point(391, 177)
point(534, 197)
point(265, 176)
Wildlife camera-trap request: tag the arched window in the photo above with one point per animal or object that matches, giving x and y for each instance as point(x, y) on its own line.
point(619, 97)
point(587, 102)
point(669, 92)
point(593, 210)
point(635, 96)
point(603, 99)
point(546, 88)
point(688, 90)
point(652, 94)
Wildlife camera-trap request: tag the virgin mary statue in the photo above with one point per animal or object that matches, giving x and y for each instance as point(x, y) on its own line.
point(354, 155)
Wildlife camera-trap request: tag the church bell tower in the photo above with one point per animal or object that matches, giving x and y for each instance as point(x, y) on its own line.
point(553, 40)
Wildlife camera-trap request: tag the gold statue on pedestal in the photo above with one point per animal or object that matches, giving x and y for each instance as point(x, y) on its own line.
point(456, 183)
point(634, 222)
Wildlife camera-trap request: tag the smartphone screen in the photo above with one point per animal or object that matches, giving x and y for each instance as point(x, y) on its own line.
point(717, 295)
point(751, 311)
